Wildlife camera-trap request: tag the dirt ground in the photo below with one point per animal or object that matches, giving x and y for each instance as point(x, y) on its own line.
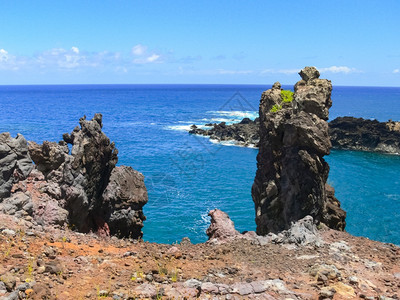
point(49, 263)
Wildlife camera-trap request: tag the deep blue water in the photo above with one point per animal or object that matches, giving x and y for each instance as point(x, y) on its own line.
point(187, 175)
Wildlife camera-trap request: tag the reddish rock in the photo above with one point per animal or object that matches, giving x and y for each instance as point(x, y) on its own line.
point(221, 227)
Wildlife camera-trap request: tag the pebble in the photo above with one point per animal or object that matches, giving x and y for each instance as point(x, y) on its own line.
point(146, 290)
point(149, 277)
point(53, 267)
point(242, 288)
point(2, 286)
point(353, 280)
point(9, 232)
point(9, 281)
point(103, 293)
point(327, 292)
point(208, 287)
point(192, 283)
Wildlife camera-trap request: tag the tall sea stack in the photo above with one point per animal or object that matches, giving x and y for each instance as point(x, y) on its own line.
point(291, 176)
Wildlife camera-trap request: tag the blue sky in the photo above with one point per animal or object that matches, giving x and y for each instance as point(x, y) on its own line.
point(245, 42)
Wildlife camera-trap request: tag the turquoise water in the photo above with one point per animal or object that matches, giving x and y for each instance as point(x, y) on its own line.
point(186, 175)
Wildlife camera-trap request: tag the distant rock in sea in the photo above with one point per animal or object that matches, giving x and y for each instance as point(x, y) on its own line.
point(366, 135)
point(81, 188)
point(346, 133)
point(291, 176)
point(245, 133)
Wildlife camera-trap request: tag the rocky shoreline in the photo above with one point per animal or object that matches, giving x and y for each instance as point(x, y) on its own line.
point(346, 133)
point(71, 220)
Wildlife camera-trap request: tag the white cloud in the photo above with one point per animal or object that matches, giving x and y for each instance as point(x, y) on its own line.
point(281, 71)
point(3, 55)
point(62, 58)
point(10, 62)
point(75, 50)
point(335, 69)
point(153, 58)
point(143, 56)
point(394, 71)
point(289, 71)
point(139, 50)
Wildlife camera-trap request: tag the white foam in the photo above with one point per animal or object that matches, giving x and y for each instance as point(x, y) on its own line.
point(179, 127)
point(236, 113)
point(233, 143)
point(229, 117)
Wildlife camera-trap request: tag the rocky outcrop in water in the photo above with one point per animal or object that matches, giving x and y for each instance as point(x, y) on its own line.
point(244, 133)
point(366, 135)
point(82, 188)
point(291, 176)
point(346, 133)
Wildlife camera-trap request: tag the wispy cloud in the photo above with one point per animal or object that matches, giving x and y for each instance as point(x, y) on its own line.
point(139, 50)
point(280, 71)
point(10, 62)
point(143, 56)
point(336, 69)
point(3, 55)
point(75, 59)
point(395, 71)
point(219, 57)
point(189, 59)
point(64, 59)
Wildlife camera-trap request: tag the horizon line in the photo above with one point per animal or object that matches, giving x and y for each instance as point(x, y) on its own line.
point(187, 84)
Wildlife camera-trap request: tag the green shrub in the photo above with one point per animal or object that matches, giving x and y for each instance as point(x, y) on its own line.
point(276, 108)
point(287, 96)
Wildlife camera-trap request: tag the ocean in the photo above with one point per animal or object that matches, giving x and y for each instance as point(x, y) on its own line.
point(186, 175)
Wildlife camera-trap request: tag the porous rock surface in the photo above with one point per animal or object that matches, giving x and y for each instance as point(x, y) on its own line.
point(291, 176)
point(244, 133)
point(83, 188)
point(15, 163)
point(301, 233)
point(366, 135)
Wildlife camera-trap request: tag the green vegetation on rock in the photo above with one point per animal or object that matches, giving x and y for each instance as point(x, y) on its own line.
point(276, 108)
point(287, 96)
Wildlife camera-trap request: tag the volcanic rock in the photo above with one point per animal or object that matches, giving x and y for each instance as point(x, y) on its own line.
point(15, 163)
point(291, 176)
point(83, 189)
point(367, 135)
point(244, 133)
point(222, 227)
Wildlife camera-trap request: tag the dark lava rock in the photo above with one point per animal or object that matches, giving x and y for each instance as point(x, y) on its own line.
point(291, 176)
point(83, 188)
point(367, 135)
point(244, 133)
point(15, 163)
point(123, 199)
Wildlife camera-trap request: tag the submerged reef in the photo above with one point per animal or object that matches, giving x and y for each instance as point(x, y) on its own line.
point(291, 175)
point(81, 188)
